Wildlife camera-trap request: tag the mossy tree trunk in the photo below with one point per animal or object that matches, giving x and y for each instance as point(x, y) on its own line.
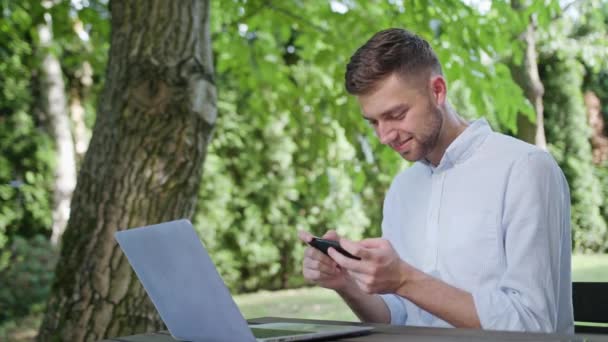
point(143, 165)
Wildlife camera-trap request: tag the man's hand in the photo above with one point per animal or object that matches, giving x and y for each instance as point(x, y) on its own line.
point(380, 269)
point(321, 269)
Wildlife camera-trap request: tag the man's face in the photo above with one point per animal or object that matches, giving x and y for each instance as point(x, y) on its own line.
point(405, 116)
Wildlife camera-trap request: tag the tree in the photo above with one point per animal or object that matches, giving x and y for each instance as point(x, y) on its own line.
point(573, 46)
point(144, 163)
point(53, 105)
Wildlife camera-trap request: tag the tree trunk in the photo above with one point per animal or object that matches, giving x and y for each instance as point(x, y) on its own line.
point(53, 105)
point(599, 141)
point(143, 165)
point(527, 77)
point(80, 87)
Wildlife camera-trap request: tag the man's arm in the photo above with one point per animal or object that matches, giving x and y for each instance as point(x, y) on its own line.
point(368, 307)
point(449, 303)
point(535, 289)
point(382, 271)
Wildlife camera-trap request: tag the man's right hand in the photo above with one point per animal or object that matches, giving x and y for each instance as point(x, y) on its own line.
point(320, 268)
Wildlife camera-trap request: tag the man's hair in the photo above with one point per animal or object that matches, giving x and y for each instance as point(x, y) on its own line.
point(389, 51)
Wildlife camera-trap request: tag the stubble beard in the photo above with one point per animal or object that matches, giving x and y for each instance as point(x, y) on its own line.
point(430, 138)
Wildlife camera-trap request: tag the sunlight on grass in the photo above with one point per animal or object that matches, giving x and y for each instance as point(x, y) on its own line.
point(313, 303)
point(318, 303)
point(590, 267)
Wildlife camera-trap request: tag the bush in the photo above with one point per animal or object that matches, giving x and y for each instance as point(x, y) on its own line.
point(26, 275)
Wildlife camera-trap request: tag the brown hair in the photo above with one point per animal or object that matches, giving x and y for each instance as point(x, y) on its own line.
point(389, 51)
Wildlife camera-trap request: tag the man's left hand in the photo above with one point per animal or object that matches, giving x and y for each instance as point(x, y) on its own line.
point(380, 269)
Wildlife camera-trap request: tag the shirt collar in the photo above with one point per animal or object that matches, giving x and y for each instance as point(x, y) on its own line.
point(464, 145)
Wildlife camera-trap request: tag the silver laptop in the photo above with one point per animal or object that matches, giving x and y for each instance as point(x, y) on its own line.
point(191, 297)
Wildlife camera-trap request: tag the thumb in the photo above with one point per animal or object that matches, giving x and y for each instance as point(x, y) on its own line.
point(331, 235)
point(305, 236)
point(374, 243)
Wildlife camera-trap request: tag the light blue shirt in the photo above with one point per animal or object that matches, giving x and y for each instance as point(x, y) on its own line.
point(492, 219)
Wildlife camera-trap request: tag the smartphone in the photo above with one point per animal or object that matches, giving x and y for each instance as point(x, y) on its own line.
point(324, 244)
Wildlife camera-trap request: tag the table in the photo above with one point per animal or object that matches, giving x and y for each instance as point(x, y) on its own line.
point(390, 333)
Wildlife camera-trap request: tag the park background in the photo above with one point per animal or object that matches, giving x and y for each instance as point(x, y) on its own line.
point(233, 113)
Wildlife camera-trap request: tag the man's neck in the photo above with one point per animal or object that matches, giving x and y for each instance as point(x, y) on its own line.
point(453, 126)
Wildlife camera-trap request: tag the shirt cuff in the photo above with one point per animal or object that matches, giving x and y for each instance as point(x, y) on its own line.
point(396, 307)
point(495, 311)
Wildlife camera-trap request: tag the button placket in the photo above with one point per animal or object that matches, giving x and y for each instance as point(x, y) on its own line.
point(432, 226)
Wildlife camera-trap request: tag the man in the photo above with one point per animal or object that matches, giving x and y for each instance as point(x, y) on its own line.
point(476, 233)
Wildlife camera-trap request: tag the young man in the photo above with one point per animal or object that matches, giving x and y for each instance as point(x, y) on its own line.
point(476, 233)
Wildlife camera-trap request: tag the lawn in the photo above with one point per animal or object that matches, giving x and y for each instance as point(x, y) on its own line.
point(312, 302)
point(320, 303)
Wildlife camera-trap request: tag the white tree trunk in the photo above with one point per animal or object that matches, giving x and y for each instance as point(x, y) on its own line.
point(77, 112)
point(53, 104)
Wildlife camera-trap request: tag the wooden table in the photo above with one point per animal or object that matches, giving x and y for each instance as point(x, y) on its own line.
point(389, 333)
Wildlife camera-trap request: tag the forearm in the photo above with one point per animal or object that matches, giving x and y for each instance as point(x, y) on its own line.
point(451, 304)
point(369, 308)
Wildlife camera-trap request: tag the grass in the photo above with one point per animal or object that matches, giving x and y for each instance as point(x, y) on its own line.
point(590, 268)
point(312, 302)
point(320, 303)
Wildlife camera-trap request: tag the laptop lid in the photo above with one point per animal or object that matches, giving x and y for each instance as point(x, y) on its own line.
point(191, 297)
point(182, 282)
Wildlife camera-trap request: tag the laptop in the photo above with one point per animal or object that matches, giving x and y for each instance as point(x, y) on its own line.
point(191, 297)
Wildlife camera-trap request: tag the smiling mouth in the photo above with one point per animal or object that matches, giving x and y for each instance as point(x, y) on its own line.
point(399, 147)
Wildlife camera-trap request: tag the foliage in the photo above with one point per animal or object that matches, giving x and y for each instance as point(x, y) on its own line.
point(571, 51)
point(291, 151)
point(26, 273)
point(26, 152)
point(568, 132)
point(259, 191)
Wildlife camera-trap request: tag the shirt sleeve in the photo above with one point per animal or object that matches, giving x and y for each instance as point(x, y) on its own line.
point(396, 305)
point(397, 308)
point(536, 233)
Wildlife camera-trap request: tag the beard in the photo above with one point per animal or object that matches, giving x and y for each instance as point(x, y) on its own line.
point(427, 138)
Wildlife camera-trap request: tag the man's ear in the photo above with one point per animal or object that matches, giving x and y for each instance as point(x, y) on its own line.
point(439, 89)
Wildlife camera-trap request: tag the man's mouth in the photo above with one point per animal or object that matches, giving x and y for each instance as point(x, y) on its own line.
point(402, 145)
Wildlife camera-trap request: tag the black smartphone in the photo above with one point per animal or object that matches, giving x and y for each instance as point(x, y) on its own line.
point(324, 244)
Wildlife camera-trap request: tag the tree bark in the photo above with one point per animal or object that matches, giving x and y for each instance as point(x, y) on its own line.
point(599, 140)
point(143, 166)
point(53, 105)
point(528, 78)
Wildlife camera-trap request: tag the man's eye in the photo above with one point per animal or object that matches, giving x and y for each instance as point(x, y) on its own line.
point(400, 116)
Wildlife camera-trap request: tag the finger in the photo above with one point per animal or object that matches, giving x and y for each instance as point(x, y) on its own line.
point(316, 275)
point(311, 275)
point(331, 235)
point(355, 248)
point(315, 254)
point(305, 236)
point(364, 285)
point(329, 268)
point(346, 262)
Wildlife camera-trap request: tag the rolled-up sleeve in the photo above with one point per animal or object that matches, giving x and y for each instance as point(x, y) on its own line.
point(397, 308)
point(535, 227)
